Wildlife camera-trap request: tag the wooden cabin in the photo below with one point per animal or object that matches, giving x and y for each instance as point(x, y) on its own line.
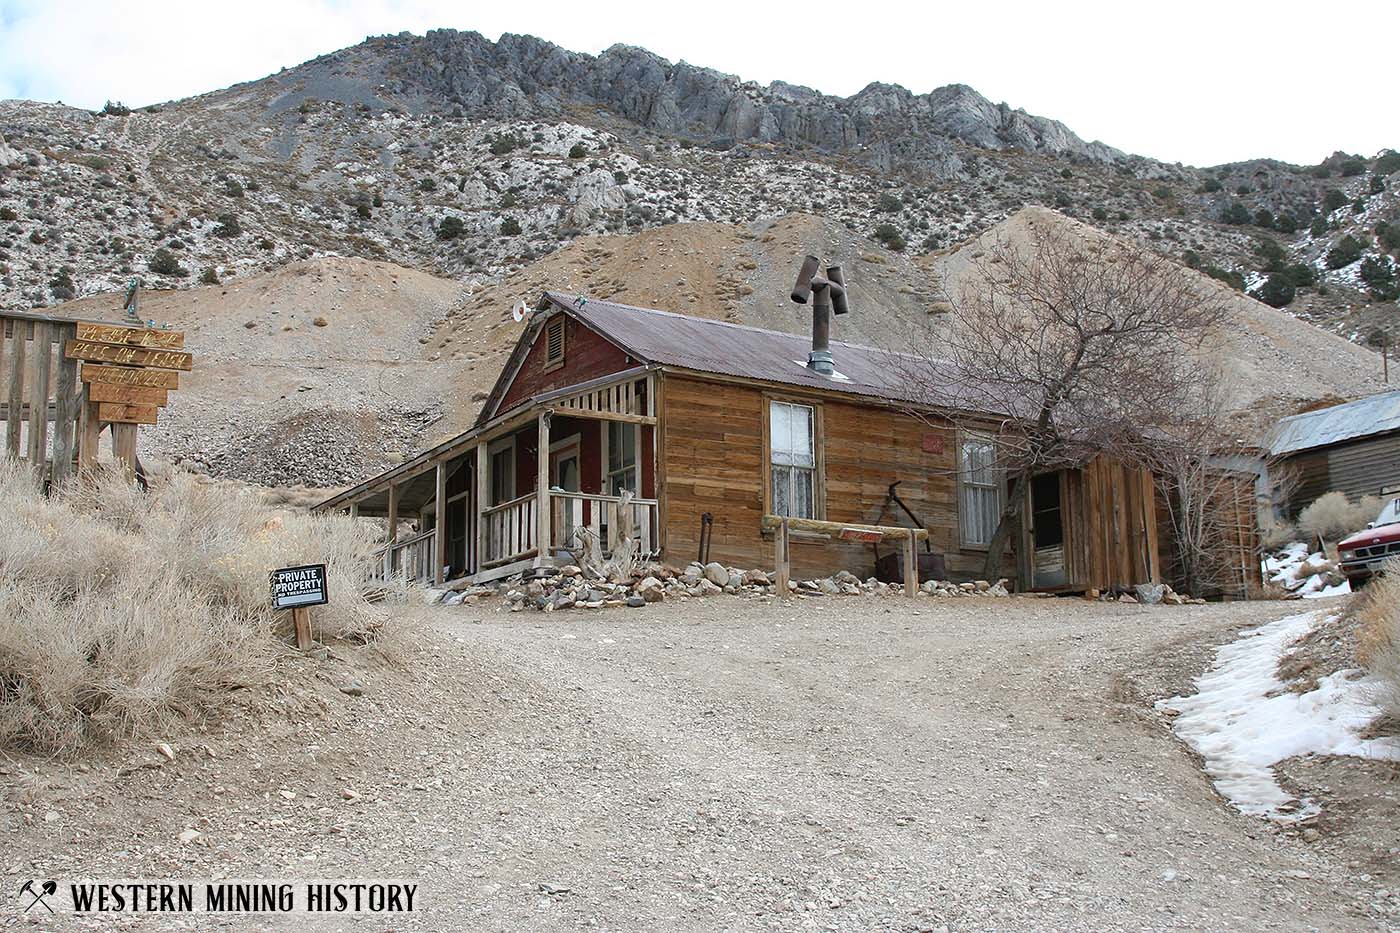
point(714, 425)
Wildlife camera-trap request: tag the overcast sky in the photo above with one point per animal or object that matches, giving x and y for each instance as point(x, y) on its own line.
point(1195, 82)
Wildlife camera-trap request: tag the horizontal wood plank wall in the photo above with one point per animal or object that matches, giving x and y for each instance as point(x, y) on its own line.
point(1364, 467)
point(587, 356)
point(712, 447)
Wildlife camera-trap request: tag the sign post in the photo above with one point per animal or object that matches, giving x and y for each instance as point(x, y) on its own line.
point(298, 589)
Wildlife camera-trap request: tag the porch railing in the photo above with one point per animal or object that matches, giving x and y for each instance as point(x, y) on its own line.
point(411, 558)
point(510, 530)
point(598, 514)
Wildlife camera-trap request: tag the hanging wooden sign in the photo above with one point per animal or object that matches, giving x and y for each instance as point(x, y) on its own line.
point(127, 395)
point(127, 376)
point(128, 356)
point(132, 336)
point(126, 414)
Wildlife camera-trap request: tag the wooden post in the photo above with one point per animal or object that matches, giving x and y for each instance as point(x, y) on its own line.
point(89, 433)
point(393, 531)
point(440, 525)
point(542, 516)
point(124, 446)
point(39, 396)
point(12, 422)
point(66, 401)
point(911, 563)
point(483, 488)
point(782, 542)
point(301, 619)
point(354, 510)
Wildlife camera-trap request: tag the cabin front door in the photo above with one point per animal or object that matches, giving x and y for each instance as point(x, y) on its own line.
point(564, 476)
point(1047, 533)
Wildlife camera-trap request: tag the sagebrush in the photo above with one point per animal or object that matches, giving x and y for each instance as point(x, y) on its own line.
point(1332, 515)
point(1377, 611)
point(120, 608)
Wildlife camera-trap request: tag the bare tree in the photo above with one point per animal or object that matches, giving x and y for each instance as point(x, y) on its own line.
point(1078, 344)
point(1208, 473)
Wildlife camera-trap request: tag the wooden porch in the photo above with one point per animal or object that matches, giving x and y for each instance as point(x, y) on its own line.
point(550, 473)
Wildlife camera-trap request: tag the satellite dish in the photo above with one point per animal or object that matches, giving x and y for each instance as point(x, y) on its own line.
point(520, 312)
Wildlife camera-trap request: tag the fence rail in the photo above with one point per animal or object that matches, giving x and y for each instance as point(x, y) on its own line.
point(510, 530)
point(411, 558)
point(572, 512)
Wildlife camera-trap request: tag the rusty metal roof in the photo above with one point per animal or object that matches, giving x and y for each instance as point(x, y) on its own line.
point(721, 348)
point(1375, 414)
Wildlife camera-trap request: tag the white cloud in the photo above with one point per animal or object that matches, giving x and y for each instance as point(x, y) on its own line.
point(1206, 83)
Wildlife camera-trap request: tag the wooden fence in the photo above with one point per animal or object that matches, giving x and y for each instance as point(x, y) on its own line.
point(44, 403)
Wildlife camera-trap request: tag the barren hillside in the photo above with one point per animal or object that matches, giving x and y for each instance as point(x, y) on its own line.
point(328, 370)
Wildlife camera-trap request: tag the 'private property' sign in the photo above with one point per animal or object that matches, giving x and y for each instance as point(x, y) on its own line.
point(293, 587)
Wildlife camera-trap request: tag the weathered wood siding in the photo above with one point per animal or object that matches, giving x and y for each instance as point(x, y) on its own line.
point(1358, 468)
point(587, 356)
point(712, 447)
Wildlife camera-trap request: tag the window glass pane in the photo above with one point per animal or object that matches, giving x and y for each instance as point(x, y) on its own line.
point(781, 479)
point(802, 494)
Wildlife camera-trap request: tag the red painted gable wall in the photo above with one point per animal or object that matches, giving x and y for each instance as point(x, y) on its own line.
point(586, 356)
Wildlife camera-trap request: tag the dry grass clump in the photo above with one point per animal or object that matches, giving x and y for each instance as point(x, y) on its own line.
point(1332, 515)
point(1377, 613)
point(120, 608)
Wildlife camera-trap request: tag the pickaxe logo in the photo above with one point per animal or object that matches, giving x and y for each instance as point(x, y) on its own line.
point(46, 889)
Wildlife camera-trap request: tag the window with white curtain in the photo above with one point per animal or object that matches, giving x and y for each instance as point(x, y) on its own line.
point(792, 459)
point(980, 485)
point(622, 458)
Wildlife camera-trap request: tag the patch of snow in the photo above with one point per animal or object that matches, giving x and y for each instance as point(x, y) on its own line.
point(1283, 568)
point(1242, 721)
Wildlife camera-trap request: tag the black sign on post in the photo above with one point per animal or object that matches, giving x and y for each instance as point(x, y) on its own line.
point(295, 587)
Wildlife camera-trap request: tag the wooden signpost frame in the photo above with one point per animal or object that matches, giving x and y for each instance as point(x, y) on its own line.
point(783, 526)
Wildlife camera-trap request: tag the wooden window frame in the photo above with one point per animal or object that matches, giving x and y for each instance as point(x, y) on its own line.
point(961, 438)
point(551, 364)
point(819, 458)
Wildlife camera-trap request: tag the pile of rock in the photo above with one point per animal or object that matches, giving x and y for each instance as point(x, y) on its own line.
point(570, 587)
point(1151, 594)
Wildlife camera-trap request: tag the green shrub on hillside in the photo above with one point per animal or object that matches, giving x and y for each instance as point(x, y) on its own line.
point(1332, 199)
point(888, 203)
point(889, 236)
point(1211, 185)
point(578, 151)
point(1388, 163)
point(163, 262)
point(1230, 277)
point(1236, 214)
point(227, 227)
point(450, 228)
point(1347, 251)
point(1276, 291)
point(510, 227)
point(1378, 272)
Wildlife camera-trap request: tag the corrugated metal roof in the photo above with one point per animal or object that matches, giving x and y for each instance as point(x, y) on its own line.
point(1375, 414)
point(722, 348)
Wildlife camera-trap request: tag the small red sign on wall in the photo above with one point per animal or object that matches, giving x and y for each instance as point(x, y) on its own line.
point(933, 443)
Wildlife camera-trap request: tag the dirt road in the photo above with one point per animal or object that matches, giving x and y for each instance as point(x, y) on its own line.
point(848, 764)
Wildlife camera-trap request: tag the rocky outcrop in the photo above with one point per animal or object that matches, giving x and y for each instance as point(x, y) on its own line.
point(8, 156)
point(521, 77)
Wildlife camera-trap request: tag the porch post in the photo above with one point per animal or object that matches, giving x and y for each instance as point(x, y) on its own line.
point(393, 531)
point(440, 524)
point(354, 510)
point(483, 486)
point(542, 516)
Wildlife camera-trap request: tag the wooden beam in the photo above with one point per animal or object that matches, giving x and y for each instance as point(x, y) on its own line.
point(911, 563)
point(782, 546)
point(483, 498)
point(542, 514)
point(39, 372)
point(89, 432)
point(12, 422)
point(393, 520)
point(604, 415)
point(440, 524)
point(119, 413)
point(354, 510)
point(835, 528)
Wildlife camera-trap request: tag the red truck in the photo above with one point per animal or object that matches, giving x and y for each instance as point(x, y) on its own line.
point(1363, 554)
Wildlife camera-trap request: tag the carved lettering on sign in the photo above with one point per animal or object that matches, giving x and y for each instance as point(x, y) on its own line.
point(129, 356)
point(123, 376)
point(132, 336)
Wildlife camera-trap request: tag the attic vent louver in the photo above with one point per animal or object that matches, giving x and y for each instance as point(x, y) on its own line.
point(828, 294)
point(554, 342)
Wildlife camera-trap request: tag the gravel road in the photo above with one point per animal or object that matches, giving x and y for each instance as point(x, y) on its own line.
point(845, 764)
